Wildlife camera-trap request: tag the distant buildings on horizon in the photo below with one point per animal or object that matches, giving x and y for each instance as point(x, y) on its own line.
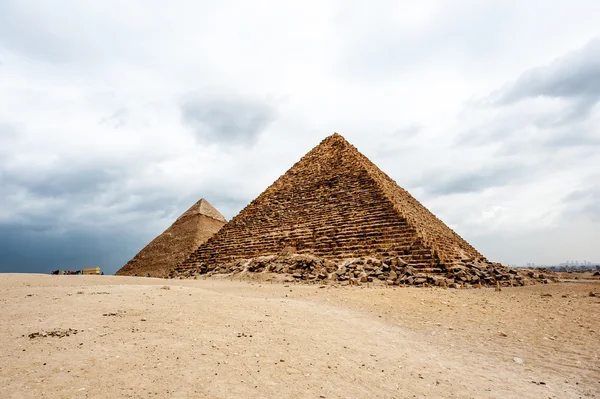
point(570, 265)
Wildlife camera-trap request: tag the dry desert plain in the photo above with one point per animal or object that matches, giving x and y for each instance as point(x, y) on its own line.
point(134, 337)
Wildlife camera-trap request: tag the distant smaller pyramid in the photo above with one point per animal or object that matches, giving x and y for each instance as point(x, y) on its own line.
point(196, 225)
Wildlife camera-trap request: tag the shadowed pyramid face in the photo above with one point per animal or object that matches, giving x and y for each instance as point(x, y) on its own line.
point(334, 203)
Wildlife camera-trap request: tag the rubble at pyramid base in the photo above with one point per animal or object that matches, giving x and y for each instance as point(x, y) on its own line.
point(391, 271)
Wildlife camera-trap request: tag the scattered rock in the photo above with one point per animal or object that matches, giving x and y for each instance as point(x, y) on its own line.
point(53, 333)
point(518, 360)
point(383, 269)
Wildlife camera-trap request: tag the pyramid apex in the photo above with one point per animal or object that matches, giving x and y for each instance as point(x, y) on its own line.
point(335, 138)
point(203, 207)
point(335, 135)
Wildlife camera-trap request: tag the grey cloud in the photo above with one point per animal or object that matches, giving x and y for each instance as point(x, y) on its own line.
point(50, 196)
point(8, 135)
point(41, 31)
point(39, 244)
point(400, 141)
point(226, 119)
point(36, 250)
point(576, 137)
point(147, 202)
point(522, 116)
point(7, 130)
point(108, 233)
point(66, 180)
point(81, 212)
point(516, 134)
point(445, 182)
point(69, 33)
point(576, 109)
point(575, 75)
point(408, 131)
point(115, 120)
point(584, 202)
point(378, 46)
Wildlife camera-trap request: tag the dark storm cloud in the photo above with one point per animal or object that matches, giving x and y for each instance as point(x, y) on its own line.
point(82, 210)
point(113, 233)
point(109, 232)
point(44, 232)
point(36, 250)
point(226, 119)
point(445, 182)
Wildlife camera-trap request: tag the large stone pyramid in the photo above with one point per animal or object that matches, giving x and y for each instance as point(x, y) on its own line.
point(335, 215)
point(192, 228)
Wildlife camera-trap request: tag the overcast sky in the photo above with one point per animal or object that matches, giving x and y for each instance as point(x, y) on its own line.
point(116, 116)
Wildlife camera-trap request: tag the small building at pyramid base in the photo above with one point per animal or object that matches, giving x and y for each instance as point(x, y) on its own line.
point(196, 225)
point(335, 216)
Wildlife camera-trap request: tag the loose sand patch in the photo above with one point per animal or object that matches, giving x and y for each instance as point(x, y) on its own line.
point(223, 339)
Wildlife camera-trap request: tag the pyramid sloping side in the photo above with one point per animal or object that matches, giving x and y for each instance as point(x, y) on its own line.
point(329, 204)
point(173, 246)
point(447, 244)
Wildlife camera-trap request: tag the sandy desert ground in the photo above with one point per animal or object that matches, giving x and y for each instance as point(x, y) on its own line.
point(137, 337)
